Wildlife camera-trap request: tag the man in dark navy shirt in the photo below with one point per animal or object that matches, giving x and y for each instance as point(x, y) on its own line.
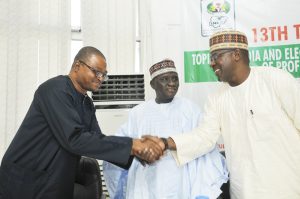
point(61, 126)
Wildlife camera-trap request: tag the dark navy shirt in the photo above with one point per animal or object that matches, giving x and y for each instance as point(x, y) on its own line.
point(59, 127)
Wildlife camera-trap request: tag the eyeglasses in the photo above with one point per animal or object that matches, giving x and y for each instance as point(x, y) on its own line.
point(100, 75)
point(167, 79)
point(214, 57)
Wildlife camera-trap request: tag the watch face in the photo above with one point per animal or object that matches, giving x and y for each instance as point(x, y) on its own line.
point(165, 141)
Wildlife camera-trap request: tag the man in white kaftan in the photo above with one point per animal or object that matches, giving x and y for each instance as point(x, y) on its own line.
point(259, 119)
point(201, 178)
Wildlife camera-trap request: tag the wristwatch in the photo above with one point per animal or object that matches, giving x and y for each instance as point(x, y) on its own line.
point(165, 141)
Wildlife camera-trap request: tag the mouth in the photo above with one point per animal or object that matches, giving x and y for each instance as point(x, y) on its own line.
point(218, 72)
point(171, 90)
point(97, 83)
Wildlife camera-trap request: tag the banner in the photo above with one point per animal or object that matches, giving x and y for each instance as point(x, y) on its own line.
point(273, 33)
point(286, 57)
point(272, 28)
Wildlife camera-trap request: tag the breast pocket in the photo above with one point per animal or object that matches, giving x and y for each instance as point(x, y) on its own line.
point(263, 125)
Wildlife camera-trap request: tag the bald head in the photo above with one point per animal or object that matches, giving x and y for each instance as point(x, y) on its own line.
point(86, 52)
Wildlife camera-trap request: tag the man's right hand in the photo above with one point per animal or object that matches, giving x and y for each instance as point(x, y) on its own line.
point(147, 150)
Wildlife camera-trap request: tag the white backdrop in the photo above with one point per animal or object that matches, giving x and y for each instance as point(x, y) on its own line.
point(35, 41)
point(172, 27)
point(34, 46)
point(109, 25)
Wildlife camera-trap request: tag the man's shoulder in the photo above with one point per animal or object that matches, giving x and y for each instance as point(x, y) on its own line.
point(55, 82)
point(270, 73)
point(143, 105)
point(182, 100)
point(186, 104)
point(267, 69)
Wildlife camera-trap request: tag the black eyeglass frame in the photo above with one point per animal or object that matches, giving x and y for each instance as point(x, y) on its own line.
point(216, 56)
point(100, 75)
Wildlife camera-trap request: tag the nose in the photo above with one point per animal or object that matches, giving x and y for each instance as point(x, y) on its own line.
point(171, 82)
point(100, 78)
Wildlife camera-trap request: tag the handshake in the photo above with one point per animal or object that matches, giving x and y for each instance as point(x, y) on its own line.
point(149, 148)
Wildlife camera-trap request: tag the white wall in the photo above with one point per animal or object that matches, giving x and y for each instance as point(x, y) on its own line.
point(35, 41)
point(34, 46)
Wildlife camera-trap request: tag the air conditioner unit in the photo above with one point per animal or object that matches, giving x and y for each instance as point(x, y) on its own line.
point(115, 98)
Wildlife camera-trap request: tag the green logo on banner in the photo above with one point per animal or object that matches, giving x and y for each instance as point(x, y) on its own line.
point(286, 57)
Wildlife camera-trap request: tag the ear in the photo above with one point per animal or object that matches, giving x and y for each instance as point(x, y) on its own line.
point(237, 55)
point(76, 66)
point(152, 83)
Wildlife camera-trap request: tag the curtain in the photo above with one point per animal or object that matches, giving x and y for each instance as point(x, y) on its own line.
point(109, 25)
point(34, 46)
point(160, 25)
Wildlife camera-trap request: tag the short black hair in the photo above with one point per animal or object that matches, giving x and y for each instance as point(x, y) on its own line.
point(86, 52)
